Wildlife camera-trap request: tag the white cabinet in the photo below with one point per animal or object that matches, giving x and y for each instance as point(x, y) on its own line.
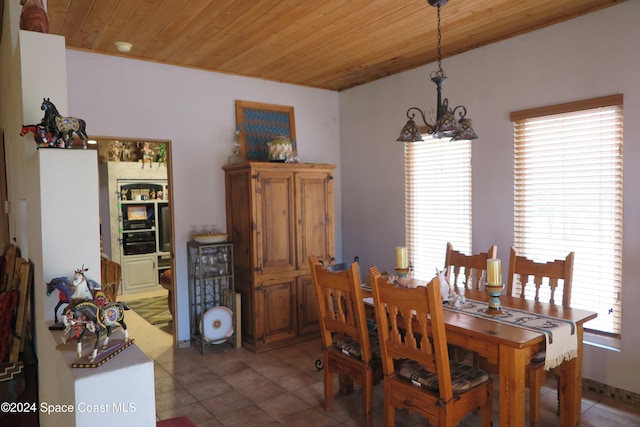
point(136, 228)
point(139, 273)
point(144, 229)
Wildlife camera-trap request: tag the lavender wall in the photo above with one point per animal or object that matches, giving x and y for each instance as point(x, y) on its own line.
point(591, 56)
point(196, 111)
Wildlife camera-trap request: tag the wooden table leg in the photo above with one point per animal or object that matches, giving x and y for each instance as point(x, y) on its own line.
point(512, 380)
point(570, 391)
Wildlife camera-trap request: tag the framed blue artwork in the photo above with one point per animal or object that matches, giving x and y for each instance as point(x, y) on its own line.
point(259, 123)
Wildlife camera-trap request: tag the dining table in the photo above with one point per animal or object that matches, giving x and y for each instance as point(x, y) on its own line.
point(510, 347)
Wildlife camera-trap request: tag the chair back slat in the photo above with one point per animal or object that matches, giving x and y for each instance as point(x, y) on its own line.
point(339, 315)
point(467, 270)
point(411, 326)
point(525, 272)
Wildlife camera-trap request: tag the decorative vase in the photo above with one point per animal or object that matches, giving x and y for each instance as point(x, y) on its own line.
point(280, 149)
point(235, 154)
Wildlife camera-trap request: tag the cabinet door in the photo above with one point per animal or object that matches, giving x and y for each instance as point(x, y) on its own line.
point(279, 308)
point(308, 316)
point(275, 222)
point(240, 221)
point(314, 210)
point(139, 272)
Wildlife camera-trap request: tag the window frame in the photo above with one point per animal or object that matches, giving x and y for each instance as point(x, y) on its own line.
point(616, 101)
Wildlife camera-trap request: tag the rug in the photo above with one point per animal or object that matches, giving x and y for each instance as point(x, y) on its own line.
point(176, 422)
point(154, 310)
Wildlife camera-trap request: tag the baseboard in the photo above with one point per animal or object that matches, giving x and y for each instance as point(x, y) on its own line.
point(610, 391)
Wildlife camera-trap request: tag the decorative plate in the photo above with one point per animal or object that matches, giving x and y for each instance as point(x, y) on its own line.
point(217, 324)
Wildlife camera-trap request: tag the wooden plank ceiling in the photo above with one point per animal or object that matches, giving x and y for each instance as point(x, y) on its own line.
point(330, 44)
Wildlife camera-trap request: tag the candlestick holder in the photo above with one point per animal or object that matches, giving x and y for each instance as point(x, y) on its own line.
point(494, 292)
point(402, 272)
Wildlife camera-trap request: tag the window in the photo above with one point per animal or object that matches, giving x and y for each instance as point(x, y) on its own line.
point(437, 202)
point(568, 197)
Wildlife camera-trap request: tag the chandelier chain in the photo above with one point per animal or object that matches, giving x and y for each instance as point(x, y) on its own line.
point(439, 44)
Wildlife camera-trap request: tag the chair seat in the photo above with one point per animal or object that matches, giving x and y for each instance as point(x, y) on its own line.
point(351, 348)
point(539, 358)
point(463, 377)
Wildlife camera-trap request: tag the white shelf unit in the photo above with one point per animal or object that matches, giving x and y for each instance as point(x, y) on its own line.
point(144, 233)
point(124, 185)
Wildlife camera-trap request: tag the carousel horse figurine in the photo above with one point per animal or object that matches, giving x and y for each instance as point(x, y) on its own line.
point(63, 127)
point(65, 291)
point(86, 317)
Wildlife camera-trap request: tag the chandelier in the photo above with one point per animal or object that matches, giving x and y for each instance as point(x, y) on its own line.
point(446, 125)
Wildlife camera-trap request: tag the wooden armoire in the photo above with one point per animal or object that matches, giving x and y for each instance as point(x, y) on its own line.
point(277, 215)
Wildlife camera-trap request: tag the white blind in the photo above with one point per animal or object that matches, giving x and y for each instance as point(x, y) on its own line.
point(568, 197)
point(437, 202)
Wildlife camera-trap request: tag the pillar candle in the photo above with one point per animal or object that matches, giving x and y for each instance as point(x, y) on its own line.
point(401, 257)
point(494, 272)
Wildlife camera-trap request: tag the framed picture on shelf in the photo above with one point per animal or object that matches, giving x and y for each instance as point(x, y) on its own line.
point(259, 123)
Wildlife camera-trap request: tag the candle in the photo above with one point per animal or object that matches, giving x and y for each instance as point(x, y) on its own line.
point(494, 272)
point(401, 257)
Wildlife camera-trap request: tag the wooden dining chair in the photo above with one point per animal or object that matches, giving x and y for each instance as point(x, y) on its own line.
point(418, 375)
point(349, 345)
point(557, 276)
point(467, 270)
point(110, 275)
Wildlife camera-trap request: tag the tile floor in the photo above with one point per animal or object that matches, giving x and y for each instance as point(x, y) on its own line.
point(235, 387)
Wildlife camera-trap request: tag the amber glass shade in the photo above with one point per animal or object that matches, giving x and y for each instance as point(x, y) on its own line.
point(410, 133)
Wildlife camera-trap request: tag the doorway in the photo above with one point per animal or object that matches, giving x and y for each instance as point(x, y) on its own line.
point(136, 223)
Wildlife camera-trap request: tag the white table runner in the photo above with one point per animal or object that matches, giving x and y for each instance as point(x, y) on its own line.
point(562, 341)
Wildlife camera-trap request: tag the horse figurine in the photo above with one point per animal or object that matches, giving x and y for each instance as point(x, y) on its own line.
point(65, 291)
point(41, 136)
point(445, 289)
point(82, 287)
point(87, 317)
point(63, 127)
